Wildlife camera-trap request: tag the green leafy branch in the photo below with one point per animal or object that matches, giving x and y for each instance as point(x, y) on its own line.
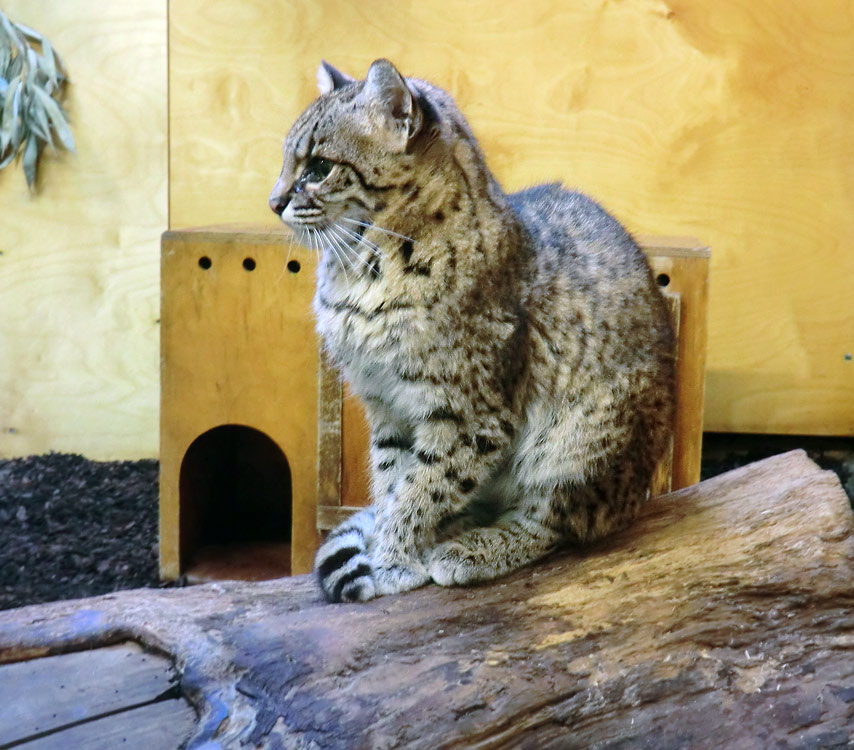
point(32, 82)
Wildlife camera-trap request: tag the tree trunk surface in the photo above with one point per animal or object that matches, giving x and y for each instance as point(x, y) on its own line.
point(722, 619)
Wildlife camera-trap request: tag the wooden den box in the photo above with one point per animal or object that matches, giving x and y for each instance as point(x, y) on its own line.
point(262, 449)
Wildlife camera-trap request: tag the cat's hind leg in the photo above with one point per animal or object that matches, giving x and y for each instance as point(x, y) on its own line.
point(542, 520)
point(519, 537)
point(343, 564)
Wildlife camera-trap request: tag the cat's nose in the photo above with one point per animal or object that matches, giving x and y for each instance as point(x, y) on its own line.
point(278, 203)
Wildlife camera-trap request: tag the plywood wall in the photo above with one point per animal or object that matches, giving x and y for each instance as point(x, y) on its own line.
point(731, 121)
point(79, 295)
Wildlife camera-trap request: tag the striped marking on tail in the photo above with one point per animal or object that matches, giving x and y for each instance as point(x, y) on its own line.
point(342, 565)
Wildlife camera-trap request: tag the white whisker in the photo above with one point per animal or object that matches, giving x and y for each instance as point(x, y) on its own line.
point(287, 260)
point(368, 225)
point(355, 252)
point(331, 246)
point(313, 242)
point(348, 251)
point(359, 239)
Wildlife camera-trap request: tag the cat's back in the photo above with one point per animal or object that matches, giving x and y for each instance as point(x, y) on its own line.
point(591, 279)
point(567, 226)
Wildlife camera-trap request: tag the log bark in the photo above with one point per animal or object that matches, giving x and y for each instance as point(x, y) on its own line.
point(723, 618)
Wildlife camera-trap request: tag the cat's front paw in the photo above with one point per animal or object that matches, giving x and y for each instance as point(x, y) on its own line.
point(452, 564)
point(394, 579)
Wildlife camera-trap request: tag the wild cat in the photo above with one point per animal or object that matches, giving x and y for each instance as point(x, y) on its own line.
point(513, 352)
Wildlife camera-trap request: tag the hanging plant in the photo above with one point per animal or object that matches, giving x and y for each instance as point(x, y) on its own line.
point(32, 82)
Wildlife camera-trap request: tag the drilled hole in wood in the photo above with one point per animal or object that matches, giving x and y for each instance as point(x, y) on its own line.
point(249, 264)
point(205, 262)
point(293, 266)
point(663, 279)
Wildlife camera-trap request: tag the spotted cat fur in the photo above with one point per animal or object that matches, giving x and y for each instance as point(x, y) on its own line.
point(513, 352)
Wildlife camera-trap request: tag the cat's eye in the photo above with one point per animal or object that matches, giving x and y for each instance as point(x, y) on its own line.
point(316, 170)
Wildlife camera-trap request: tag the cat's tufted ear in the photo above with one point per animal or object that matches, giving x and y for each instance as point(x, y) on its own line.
point(393, 102)
point(330, 78)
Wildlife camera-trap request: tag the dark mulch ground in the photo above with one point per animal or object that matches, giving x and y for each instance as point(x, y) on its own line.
point(71, 528)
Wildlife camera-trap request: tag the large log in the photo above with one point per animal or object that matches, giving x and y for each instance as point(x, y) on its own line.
point(722, 619)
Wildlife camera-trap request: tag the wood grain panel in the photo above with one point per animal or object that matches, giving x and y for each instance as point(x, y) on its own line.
point(44, 695)
point(239, 349)
point(682, 267)
point(79, 261)
point(730, 121)
point(165, 725)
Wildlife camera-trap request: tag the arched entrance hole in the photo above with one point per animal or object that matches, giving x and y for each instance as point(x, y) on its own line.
point(235, 501)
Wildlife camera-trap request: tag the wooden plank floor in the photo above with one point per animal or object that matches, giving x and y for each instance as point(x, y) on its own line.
point(118, 696)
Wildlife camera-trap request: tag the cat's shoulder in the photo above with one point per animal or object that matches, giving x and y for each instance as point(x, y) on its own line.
point(552, 200)
point(570, 224)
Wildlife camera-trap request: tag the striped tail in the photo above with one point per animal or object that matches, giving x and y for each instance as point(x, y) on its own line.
point(342, 563)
